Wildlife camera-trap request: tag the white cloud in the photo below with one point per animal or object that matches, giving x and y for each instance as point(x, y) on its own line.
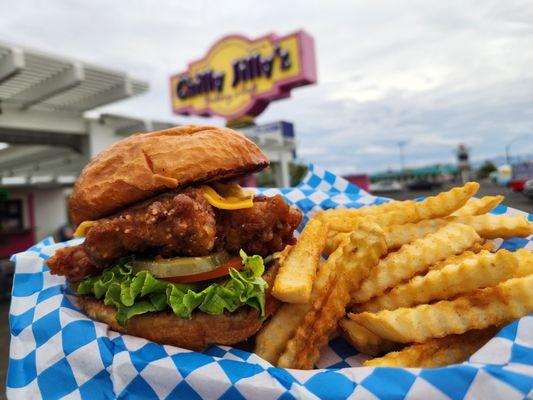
point(373, 149)
point(377, 86)
point(438, 140)
point(345, 170)
point(311, 151)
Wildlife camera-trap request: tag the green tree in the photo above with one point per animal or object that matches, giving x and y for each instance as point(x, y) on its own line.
point(297, 172)
point(266, 177)
point(485, 169)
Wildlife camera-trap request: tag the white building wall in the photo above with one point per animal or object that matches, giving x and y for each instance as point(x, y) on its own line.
point(100, 137)
point(50, 211)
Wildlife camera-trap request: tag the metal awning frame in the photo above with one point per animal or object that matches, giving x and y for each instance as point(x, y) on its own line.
point(31, 78)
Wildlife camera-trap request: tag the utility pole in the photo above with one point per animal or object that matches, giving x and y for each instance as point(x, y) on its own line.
point(507, 157)
point(401, 145)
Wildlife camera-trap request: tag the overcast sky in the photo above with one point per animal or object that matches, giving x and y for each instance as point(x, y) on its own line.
point(431, 73)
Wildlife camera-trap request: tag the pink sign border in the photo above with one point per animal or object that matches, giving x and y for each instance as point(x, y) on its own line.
point(280, 89)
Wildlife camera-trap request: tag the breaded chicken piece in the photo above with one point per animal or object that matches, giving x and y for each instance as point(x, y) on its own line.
point(183, 224)
point(72, 262)
point(180, 225)
point(265, 228)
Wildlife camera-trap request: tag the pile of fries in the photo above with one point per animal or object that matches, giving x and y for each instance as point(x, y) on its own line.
point(416, 284)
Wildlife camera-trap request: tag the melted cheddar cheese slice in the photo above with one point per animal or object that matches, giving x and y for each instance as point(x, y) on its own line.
point(84, 227)
point(245, 200)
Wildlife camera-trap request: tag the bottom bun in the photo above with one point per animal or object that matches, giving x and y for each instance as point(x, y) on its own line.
point(196, 333)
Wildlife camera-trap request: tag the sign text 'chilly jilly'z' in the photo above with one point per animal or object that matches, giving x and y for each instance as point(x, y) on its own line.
point(240, 77)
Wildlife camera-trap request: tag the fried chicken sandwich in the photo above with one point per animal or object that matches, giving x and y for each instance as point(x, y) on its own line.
point(174, 251)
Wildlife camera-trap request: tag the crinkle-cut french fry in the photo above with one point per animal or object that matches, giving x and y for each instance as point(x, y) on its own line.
point(525, 262)
point(415, 258)
point(490, 226)
point(453, 349)
point(456, 258)
point(431, 207)
point(333, 240)
point(408, 211)
point(363, 211)
point(488, 245)
point(280, 344)
point(437, 206)
point(479, 206)
point(474, 249)
point(480, 309)
point(359, 252)
point(397, 214)
point(297, 272)
point(474, 272)
point(363, 340)
point(487, 226)
point(272, 339)
point(398, 235)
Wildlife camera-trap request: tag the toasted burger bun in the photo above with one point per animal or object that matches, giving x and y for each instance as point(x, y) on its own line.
point(196, 333)
point(144, 165)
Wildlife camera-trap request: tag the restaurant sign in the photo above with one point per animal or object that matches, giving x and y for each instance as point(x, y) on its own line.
point(240, 77)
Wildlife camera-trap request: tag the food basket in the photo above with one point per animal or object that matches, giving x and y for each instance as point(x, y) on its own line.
point(56, 351)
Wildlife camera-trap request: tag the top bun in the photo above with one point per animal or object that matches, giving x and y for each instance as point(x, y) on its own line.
point(144, 165)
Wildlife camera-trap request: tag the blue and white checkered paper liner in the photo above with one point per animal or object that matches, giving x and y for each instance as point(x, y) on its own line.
point(56, 351)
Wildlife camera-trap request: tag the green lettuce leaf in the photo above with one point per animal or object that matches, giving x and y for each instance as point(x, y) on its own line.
point(138, 293)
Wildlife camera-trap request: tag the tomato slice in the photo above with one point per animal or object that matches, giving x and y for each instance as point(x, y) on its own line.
point(181, 266)
point(223, 270)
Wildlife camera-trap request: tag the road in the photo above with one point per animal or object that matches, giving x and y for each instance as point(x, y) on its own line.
point(512, 199)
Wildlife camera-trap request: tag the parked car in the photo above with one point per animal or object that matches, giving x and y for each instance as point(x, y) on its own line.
point(421, 184)
point(528, 189)
point(522, 172)
point(517, 185)
point(385, 187)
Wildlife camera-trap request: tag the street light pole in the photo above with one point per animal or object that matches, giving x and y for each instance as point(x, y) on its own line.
point(401, 145)
point(508, 147)
point(507, 158)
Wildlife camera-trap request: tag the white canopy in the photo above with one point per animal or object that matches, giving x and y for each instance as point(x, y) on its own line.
point(30, 78)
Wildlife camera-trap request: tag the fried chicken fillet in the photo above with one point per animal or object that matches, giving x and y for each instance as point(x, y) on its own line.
point(183, 224)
